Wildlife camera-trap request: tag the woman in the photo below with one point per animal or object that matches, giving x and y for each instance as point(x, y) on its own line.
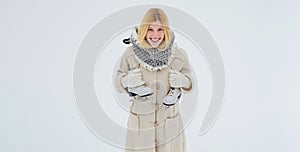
point(154, 72)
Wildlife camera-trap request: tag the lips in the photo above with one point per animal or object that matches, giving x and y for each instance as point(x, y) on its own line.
point(155, 39)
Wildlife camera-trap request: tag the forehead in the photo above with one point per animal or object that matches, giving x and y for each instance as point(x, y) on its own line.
point(155, 24)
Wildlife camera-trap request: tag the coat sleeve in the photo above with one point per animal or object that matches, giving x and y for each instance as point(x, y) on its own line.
point(186, 70)
point(121, 72)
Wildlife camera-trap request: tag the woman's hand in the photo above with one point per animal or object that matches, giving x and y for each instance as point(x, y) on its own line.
point(178, 80)
point(132, 79)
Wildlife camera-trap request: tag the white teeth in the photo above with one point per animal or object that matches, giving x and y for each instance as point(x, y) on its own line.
point(155, 39)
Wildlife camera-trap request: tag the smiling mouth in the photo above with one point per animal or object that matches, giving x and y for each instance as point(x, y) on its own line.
point(155, 39)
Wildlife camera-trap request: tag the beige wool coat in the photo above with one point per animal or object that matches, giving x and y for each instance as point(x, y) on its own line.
point(152, 126)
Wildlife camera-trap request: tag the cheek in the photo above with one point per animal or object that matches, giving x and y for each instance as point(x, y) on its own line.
point(148, 35)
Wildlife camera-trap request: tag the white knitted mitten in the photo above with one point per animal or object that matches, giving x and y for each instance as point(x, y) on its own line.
point(178, 80)
point(132, 79)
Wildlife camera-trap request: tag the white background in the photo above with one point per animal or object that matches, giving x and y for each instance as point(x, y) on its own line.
point(259, 42)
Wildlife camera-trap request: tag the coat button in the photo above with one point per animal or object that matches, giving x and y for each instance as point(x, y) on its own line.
point(155, 123)
point(157, 86)
point(157, 106)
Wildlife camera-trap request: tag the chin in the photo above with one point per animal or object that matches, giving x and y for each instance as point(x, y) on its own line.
point(155, 45)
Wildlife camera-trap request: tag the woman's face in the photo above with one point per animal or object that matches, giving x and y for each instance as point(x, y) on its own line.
point(155, 34)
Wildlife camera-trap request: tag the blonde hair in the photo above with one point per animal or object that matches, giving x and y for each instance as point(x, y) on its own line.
point(152, 15)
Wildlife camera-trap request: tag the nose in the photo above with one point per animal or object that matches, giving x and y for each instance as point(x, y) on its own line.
point(155, 33)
